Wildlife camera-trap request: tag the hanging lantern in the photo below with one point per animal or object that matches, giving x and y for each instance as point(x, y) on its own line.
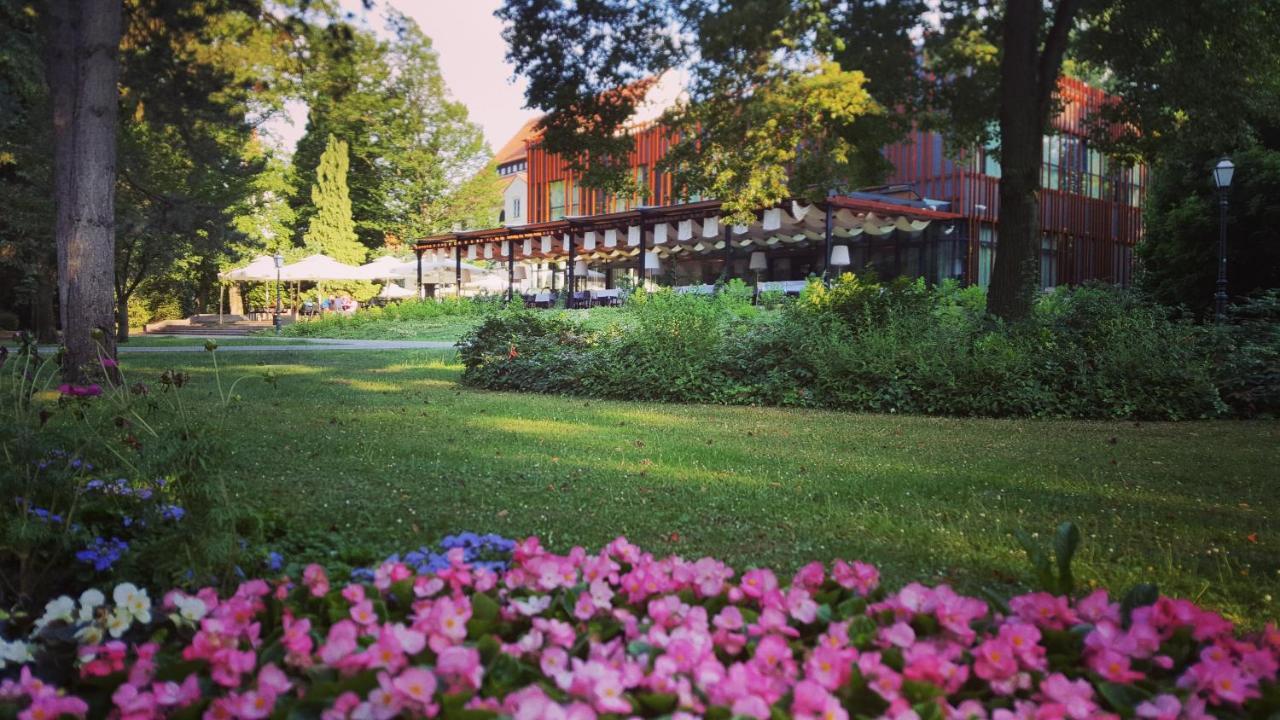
point(471, 252)
point(580, 268)
point(488, 251)
point(527, 247)
point(651, 262)
point(759, 263)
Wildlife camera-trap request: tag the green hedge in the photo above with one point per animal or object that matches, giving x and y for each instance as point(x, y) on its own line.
point(1090, 352)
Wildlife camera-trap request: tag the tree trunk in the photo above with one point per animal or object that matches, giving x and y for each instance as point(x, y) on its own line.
point(122, 319)
point(1015, 278)
point(84, 42)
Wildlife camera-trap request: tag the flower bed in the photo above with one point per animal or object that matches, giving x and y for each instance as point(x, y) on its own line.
point(620, 632)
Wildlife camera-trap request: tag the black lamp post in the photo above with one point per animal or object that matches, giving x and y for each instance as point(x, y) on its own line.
point(279, 264)
point(1222, 173)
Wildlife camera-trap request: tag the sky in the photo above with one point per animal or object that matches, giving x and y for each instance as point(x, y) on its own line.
point(468, 40)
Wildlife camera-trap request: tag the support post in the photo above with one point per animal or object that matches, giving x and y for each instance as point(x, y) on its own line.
point(418, 289)
point(569, 284)
point(1220, 297)
point(826, 262)
point(457, 269)
point(511, 270)
point(640, 259)
point(728, 253)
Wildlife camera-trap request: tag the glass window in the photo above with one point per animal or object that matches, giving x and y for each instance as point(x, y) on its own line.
point(1048, 261)
point(986, 254)
point(557, 200)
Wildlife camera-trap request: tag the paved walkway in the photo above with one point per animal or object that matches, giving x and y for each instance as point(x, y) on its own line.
point(316, 345)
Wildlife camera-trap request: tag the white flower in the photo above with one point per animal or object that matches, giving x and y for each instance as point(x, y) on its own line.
point(58, 609)
point(118, 622)
point(89, 635)
point(192, 609)
point(132, 601)
point(16, 652)
point(534, 605)
point(90, 600)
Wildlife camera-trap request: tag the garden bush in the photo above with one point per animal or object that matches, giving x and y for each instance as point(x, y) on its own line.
point(621, 633)
point(1089, 352)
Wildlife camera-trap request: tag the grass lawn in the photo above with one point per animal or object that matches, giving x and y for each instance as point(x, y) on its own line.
point(384, 451)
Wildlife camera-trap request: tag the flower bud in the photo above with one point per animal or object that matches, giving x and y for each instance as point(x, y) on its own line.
point(210, 345)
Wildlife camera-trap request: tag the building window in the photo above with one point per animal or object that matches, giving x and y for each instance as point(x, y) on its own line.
point(990, 161)
point(1048, 262)
point(986, 254)
point(515, 209)
point(557, 200)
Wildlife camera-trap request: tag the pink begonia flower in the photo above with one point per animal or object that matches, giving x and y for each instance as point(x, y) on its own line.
point(899, 634)
point(340, 643)
point(810, 577)
point(363, 613)
point(417, 685)
point(353, 593)
point(1075, 697)
point(461, 667)
point(314, 577)
point(1044, 610)
point(995, 660)
point(72, 390)
point(1163, 707)
point(859, 576)
point(755, 583)
point(1114, 666)
point(751, 706)
point(1024, 640)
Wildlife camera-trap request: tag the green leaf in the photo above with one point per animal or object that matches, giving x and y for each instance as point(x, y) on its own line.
point(661, 703)
point(1121, 698)
point(1140, 595)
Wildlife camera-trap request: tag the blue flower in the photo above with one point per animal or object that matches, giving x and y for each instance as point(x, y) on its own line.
point(275, 561)
point(172, 512)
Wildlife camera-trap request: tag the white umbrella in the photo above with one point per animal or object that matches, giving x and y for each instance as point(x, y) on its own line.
point(381, 268)
point(262, 269)
point(322, 267)
point(391, 291)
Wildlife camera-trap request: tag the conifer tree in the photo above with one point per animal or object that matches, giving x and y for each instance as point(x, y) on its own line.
point(332, 230)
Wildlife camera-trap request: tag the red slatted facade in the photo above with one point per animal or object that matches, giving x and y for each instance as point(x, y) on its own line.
point(1091, 218)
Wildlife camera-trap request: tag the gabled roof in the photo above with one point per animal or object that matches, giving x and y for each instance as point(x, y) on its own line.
point(515, 148)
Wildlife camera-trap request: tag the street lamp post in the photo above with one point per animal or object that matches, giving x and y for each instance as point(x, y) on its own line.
point(1222, 173)
point(279, 264)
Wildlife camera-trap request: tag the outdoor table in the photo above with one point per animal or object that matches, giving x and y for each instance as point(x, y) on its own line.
point(696, 289)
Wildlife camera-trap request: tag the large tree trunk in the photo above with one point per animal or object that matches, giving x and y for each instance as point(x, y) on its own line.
point(1016, 274)
point(1028, 80)
point(83, 70)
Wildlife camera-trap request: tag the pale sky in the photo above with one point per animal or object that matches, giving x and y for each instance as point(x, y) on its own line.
point(468, 39)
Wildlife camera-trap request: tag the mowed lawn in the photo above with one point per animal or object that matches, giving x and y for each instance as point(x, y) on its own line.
point(385, 450)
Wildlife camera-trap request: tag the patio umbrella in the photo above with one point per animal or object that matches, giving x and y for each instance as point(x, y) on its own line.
point(261, 269)
point(382, 267)
point(391, 291)
point(319, 268)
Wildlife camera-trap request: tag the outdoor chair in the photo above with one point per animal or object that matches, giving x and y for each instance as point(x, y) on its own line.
point(542, 299)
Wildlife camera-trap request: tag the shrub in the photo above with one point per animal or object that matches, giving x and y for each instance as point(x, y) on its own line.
point(1247, 351)
point(8, 320)
point(622, 633)
point(1090, 352)
point(393, 320)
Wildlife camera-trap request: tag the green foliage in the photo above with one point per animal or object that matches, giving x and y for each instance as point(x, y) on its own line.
point(332, 231)
point(1052, 570)
point(1248, 357)
point(397, 320)
point(412, 148)
point(85, 466)
point(1179, 254)
point(1092, 352)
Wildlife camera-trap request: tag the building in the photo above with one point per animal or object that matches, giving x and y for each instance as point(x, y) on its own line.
point(937, 218)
